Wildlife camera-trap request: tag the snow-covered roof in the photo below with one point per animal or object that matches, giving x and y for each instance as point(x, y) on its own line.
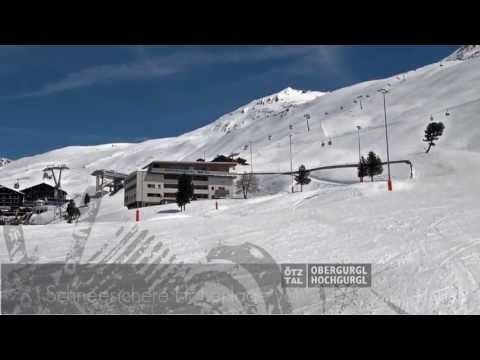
point(43, 184)
point(194, 163)
point(6, 187)
point(109, 173)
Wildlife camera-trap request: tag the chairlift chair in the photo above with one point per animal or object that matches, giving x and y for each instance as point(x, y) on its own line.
point(16, 185)
point(447, 113)
point(330, 142)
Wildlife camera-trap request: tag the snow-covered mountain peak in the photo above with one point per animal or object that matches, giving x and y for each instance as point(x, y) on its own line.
point(275, 105)
point(290, 95)
point(323, 126)
point(429, 222)
point(466, 52)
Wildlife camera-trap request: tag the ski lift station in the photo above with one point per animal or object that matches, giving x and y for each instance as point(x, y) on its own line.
point(10, 198)
point(110, 179)
point(46, 192)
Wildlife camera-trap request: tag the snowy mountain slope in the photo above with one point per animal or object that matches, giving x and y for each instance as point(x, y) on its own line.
point(423, 238)
point(465, 52)
point(423, 243)
point(4, 162)
point(414, 97)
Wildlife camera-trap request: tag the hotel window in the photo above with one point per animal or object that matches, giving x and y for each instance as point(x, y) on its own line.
point(151, 186)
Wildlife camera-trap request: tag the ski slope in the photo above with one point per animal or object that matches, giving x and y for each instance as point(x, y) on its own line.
point(4, 162)
point(423, 239)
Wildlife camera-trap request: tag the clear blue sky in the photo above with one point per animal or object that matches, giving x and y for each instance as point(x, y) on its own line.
point(55, 96)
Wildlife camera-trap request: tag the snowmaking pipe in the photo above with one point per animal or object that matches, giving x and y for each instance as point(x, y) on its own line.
point(408, 162)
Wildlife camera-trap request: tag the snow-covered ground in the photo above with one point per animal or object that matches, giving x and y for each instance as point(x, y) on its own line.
point(4, 162)
point(423, 238)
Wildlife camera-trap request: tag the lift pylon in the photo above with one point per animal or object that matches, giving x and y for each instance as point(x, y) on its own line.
point(52, 169)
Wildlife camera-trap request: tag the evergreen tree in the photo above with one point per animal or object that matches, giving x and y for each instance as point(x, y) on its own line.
point(189, 187)
point(374, 165)
point(86, 200)
point(362, 169)
point(302, 177)
point(185, 191)
point(433, 131)
point(248, 183)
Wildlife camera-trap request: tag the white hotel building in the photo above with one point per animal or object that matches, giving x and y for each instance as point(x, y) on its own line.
point(158, 182)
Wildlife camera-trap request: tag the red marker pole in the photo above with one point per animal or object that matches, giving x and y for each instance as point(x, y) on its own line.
point(137, 215)
point(390, 187)
point(216, 205)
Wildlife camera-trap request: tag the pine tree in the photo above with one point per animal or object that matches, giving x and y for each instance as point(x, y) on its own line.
point(180, 199)
point(374, 165)
point(302, 177)
point(86, 200)
point(432, 133)
point(362, 169)
point(190, 188)
point(185, 191)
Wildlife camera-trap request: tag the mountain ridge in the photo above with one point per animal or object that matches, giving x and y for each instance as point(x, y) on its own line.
point(466, 52)
point(267, 122)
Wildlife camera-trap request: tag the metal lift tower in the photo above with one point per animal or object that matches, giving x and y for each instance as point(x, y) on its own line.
point(52, 169)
